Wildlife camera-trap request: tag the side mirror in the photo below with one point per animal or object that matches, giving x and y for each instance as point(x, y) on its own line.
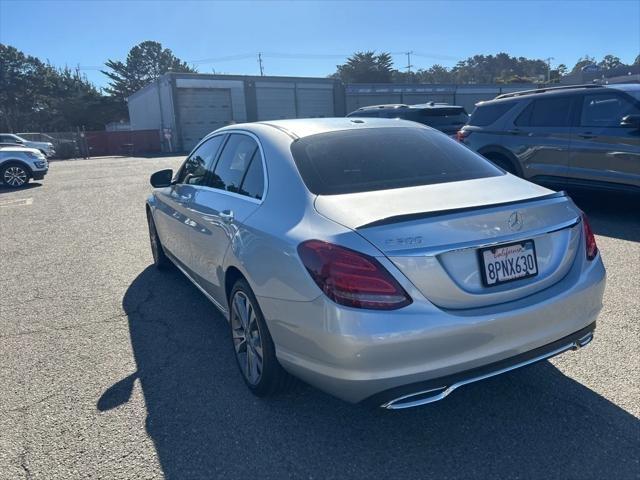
point(161, 178)
point(631, 121)
point(19, 141)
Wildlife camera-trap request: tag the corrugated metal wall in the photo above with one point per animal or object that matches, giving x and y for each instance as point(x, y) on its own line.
point(362, 95)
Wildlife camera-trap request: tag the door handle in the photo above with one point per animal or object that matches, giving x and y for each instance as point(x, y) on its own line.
point(514, 131)
point(226, 216)
point(586, 135)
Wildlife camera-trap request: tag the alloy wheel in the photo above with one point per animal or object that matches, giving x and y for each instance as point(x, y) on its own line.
point(15, 176)
point(246, 337)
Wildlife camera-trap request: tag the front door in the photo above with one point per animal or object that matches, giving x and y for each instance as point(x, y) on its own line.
point(173, 217)
point(603, 152)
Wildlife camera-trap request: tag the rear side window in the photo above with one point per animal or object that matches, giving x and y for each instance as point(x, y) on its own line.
point(253, 182)
point(234, 160)
point(369, 159)
point(546, 112)
point(605, 110)
point(484, 115)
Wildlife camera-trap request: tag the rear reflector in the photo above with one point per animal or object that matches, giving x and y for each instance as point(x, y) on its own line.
point(589, 238)
point(351, 278)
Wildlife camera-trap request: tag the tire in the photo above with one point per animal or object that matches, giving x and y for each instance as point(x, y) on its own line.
point(504, 163)
point(160, 259)
point(14, 175)
point(263, 376)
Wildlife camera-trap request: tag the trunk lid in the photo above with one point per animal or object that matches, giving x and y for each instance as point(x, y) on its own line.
point(433, 234)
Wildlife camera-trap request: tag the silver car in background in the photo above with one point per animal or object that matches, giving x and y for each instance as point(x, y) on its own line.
point(20, 164)
point(376, 259)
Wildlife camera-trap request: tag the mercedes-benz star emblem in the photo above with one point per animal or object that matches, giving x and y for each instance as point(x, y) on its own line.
point(515, 221)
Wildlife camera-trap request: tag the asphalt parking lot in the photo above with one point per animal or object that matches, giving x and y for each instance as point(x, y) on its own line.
point(110, 369)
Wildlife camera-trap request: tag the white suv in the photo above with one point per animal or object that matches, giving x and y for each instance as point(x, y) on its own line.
point(19, 164)
point(45, 147)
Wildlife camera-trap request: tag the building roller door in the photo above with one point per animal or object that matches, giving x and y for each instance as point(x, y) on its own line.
point(201, 111)
point(276, 101)
point(315, 102)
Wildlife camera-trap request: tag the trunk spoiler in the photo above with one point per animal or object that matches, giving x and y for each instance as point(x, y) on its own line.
point(439, 213)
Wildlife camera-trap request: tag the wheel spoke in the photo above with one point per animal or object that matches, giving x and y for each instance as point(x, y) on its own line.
point(249, 372)
point(246, 337)
point(241, 310)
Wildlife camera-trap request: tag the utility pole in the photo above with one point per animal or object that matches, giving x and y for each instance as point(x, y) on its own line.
point(549, 68)
point(260, 63)
point(408, 67)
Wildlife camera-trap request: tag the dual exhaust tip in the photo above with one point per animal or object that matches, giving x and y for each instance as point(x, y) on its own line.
point(438, 393)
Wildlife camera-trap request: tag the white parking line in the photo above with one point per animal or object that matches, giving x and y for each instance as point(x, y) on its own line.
point(18, 202)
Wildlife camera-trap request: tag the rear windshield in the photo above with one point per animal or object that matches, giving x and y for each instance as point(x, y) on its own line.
point(484, 115)
point(369, 159)
point(443, 116)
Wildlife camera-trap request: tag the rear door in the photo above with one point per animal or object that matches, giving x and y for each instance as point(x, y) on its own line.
point(541, 135)
point(233, 191)
point(603, 151)
point(173, 218)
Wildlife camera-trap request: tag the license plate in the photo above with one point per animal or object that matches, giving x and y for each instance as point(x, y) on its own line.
point(508, 262)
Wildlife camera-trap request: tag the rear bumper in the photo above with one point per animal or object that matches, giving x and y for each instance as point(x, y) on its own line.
point(358, 354)
point(431, 391)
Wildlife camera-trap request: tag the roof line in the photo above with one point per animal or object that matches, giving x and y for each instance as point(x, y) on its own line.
point(282, 129)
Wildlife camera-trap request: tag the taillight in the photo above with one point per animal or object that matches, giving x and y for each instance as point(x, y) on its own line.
point(589, 238)
point(462, 134)
point(351, 278)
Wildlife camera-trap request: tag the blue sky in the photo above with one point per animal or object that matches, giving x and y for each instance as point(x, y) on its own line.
point(310, 38)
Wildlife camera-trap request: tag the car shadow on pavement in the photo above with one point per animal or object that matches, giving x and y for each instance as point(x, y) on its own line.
point(533, 423)
point(611, 214)
point(28, 186)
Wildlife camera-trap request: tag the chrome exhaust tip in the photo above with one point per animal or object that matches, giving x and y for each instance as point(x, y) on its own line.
point(424, 397)
point(583, 341)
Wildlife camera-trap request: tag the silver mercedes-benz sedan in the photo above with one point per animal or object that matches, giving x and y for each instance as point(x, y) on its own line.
point(375, 259)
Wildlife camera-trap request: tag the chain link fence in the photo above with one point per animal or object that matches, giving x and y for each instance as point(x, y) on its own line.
point(66, 144)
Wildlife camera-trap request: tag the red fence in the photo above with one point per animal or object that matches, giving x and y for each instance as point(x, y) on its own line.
point(128, 143)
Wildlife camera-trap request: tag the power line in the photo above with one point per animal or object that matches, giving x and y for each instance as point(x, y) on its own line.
point(229, 58)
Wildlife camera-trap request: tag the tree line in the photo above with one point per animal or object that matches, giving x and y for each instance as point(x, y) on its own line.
point(39, 97)
point(372, 67)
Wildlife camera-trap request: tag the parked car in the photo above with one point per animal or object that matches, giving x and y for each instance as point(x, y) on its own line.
point(442, 116)
point(64, 147)
point(45, 147)
point(379, 260)
point(584, 136)
point(18, 164)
